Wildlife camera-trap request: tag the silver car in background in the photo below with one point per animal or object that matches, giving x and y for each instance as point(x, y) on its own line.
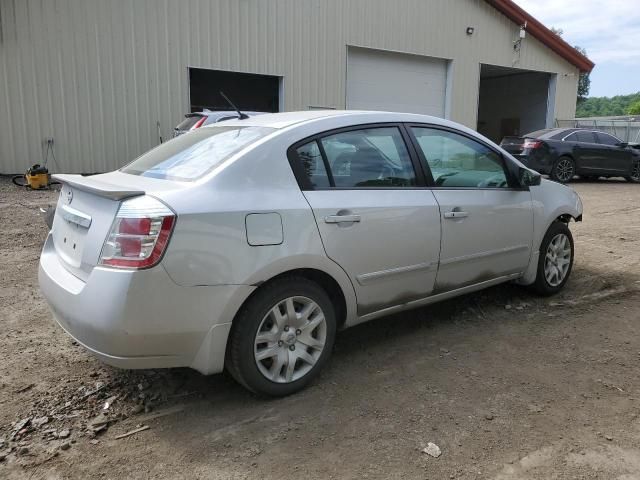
point(247, 244)
point(195, 120)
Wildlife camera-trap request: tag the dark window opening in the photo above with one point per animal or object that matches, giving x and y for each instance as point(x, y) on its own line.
point(248, 91)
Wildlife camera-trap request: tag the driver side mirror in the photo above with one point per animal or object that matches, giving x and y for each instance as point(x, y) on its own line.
point(529, 178)
point(622, 144)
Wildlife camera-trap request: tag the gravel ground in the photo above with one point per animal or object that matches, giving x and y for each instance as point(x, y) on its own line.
point(508, 385)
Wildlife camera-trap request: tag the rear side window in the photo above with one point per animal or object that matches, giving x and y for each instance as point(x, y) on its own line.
point(607, 139)
point(189, 157)
point(375, 157)
point(364, 158)
point(583, 136)
point(313, 164)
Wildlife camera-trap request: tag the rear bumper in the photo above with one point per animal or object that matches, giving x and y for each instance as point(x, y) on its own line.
point(141, 319)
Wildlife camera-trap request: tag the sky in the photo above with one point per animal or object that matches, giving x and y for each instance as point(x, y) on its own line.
point(608, 29)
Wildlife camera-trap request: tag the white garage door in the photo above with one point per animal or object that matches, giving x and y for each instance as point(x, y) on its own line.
point(395, 82)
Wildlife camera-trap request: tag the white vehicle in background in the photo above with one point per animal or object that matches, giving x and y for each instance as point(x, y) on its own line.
point(247, 244)
point(195, 120)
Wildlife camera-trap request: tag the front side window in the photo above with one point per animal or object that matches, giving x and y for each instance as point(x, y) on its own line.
point(607, 139)
point(372, 157)
point(457, 161)
point(189, 157)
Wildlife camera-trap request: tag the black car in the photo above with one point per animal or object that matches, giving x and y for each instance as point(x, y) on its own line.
point(563, 153)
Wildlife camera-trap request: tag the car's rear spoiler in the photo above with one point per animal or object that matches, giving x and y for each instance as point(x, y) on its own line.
point(97, 187)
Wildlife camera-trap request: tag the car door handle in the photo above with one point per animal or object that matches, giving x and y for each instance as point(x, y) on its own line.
point(456, 214)
point(341, 218)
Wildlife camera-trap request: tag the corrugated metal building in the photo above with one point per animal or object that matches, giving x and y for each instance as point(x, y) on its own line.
point(98, 76)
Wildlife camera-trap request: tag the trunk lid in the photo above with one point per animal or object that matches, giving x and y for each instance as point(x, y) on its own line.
point(513, 145)
point(85, 212)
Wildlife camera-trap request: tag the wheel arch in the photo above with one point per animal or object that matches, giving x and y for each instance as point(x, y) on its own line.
point(566, 218)
point(329, 284)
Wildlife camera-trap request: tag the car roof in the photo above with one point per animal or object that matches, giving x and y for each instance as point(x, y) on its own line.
point(287, 119)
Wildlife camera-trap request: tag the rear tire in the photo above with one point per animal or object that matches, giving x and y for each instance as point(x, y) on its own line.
point(556, 259)
point(282, 337)
point(635, 173)
point(563, 169)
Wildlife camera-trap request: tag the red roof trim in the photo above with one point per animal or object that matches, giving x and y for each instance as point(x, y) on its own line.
point(542, 33)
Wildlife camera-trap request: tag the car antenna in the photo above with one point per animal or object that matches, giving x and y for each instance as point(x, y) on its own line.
point(241, 116)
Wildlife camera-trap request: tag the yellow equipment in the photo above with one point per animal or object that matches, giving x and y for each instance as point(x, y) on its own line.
point(36, 178)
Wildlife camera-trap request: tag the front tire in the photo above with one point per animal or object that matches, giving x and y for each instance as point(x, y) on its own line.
point(635, 173)
point(563, 170)
point(282, 337)
point(556, 259)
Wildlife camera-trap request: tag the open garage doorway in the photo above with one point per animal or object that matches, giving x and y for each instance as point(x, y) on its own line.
point(249, 91)
point(513, 102)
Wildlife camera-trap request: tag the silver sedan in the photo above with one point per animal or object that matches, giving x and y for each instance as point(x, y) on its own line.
point(246, 245)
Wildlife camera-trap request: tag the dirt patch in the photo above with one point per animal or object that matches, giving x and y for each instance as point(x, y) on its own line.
point(508, 385)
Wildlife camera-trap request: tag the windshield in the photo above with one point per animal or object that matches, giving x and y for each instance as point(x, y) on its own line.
point(190, 156)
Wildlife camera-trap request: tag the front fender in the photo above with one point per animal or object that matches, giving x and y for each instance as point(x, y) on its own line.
point(551, 201)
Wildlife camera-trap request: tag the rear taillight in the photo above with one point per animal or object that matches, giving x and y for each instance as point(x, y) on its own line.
point(139, 234)
point(532, 144)
point(199, 123)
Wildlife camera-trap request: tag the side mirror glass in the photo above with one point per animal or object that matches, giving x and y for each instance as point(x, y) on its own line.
point(622, 144)
point(529, 178)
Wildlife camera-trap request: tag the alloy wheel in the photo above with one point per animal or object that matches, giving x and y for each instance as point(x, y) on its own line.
point(635, 172)
point(564, 170)
point(557, 259)
point(290, 339)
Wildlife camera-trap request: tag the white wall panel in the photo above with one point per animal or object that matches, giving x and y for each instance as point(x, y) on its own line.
point(96, 75)
point(395, 82)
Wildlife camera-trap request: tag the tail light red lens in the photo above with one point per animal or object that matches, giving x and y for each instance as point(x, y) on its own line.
point(532, 143)
point(199, 123)
point(139, 235)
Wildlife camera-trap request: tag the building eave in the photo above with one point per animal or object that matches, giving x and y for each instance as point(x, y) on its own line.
point(543, 34)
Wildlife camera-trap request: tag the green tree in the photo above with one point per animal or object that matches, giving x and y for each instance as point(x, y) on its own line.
point(584, 82)
point(607, 106)
point(634, 108)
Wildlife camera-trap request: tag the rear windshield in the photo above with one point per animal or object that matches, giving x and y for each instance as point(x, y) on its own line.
point(189, 157)
point(188, 122)
point(562, 134)
point(538, 133)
